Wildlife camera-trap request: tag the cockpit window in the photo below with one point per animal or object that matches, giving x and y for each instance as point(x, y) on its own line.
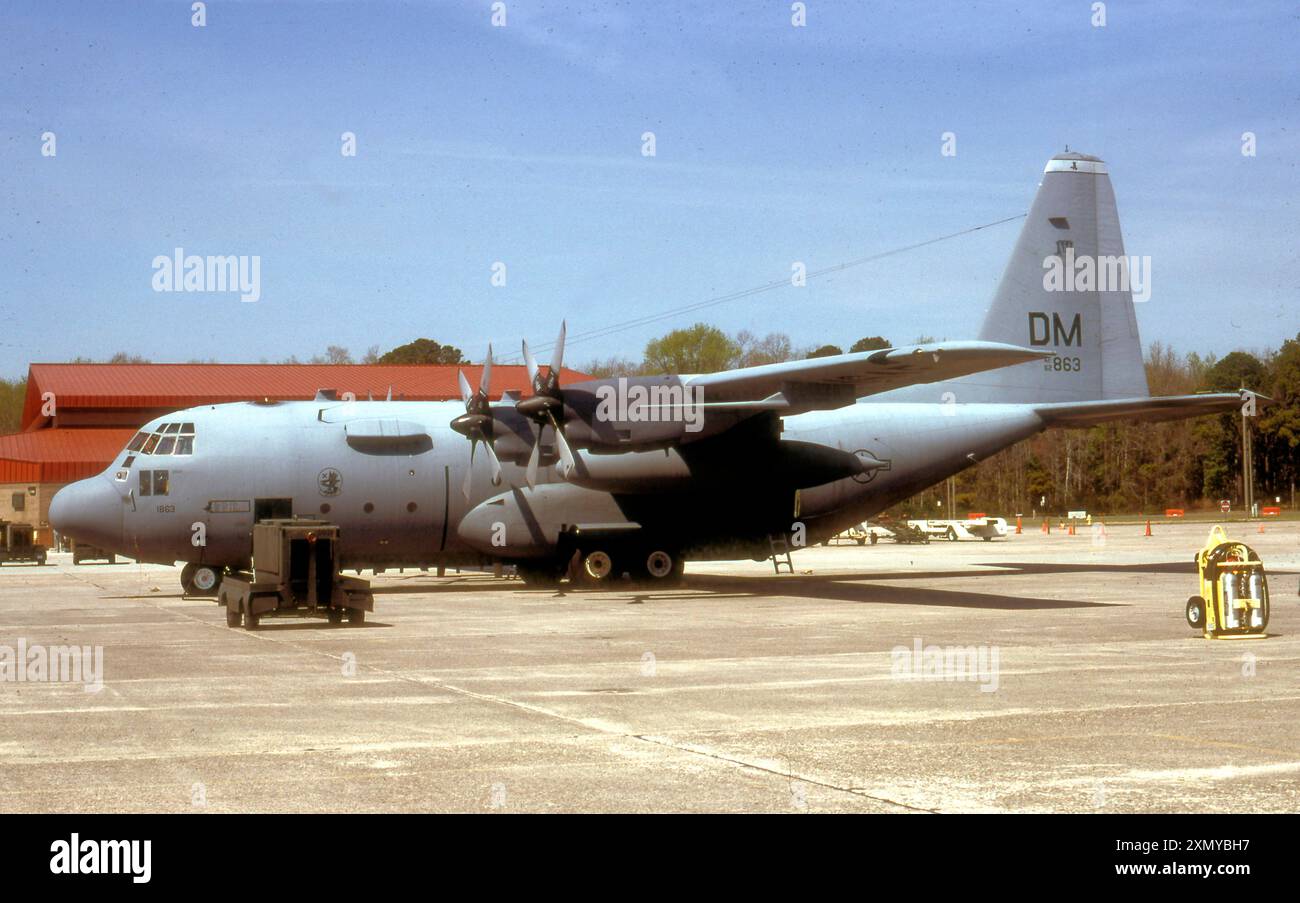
point(138, 442)
point(171, 428)
point(185, 445)
point(165, 445)
point(187, 428)
point(150, 444)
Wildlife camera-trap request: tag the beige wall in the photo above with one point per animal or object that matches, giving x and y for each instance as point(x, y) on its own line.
point(36, 507)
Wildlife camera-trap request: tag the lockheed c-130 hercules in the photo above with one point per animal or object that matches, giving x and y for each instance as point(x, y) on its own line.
point(637, 476)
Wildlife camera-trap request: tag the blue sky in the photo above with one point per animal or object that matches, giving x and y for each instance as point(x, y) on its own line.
point(522, 145)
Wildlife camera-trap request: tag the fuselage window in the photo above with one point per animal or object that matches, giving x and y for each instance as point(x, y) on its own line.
point(184, 445)
point(146, 482)
point(138, 442)
point(160, 482)
point(151, 444)
point(166, 445)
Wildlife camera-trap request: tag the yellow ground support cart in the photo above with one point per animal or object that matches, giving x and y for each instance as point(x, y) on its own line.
point(1233, 604)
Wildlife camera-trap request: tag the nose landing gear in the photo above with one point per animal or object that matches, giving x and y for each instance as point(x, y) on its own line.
point(201, 579)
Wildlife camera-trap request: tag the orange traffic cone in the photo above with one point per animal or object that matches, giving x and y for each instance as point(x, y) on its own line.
point(1261, 526)
point(1148, 533)
point(1018, 530)
point(1072, 528)
point(1047, 528)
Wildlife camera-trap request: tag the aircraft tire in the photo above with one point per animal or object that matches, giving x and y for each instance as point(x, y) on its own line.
point(187, 578)
point(598, 568)
point(205, 580)
point(659, 568)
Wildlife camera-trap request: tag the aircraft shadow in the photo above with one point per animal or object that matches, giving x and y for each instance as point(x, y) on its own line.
point(835, 588)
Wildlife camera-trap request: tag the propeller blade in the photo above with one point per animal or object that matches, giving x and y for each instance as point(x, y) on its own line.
point(469, 471)
point(466, 393)
point(533, 458)
point(487, 373)
point(557, 357)
point(567, 463)
point(496, 463)
point(531, 362)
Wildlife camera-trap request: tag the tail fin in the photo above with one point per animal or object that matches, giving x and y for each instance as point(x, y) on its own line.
point(1067, 289)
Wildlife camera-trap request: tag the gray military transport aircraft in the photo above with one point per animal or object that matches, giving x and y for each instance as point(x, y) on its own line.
point(637, 475)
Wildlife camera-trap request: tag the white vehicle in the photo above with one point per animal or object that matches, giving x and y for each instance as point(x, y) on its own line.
point(985, 528)
point(866, 532)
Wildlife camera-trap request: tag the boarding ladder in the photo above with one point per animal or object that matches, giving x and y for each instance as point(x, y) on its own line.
point(780, 552)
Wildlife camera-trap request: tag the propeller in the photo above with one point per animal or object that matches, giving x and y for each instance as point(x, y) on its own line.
point(541, 406)
point(476, 423)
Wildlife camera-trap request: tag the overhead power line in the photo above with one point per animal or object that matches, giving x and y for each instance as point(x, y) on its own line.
point(635, 322)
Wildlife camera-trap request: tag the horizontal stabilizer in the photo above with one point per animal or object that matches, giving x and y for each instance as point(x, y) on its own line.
point(1147, 410)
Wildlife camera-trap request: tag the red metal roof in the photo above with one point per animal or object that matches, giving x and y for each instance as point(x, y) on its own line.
point(59, 455)
point(187, 385)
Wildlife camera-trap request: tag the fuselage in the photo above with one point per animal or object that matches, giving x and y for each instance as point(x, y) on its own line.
point(391, 475)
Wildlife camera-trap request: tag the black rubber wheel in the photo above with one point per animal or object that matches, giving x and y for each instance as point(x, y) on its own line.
point(356, 616)
point(187, 578)
point(1195, 612)
point(40, 558)
point(251, 619)
point(598, 568)
point(335, 616)
point(232, 618)
point(205, 581)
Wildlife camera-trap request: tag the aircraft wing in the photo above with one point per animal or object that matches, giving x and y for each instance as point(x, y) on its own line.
point(1167, 407)
point(831, 382)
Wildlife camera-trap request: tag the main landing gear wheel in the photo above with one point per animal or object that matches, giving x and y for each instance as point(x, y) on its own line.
point(597, 567)
point(661, 568)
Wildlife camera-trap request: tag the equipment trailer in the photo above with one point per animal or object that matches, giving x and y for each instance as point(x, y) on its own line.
point(295, 570)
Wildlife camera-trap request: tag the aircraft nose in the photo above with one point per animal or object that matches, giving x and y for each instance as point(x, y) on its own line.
point(90, 511)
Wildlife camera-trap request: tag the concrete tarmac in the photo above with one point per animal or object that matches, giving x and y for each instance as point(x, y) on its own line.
point(740, 691)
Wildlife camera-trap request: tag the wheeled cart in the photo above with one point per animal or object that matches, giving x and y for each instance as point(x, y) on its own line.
point(295, 572)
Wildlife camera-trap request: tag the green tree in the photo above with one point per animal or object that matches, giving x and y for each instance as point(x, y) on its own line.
point(12, 395)
point(826, 351)
point(423, 351)
point(870, 343)
point(699, 349)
